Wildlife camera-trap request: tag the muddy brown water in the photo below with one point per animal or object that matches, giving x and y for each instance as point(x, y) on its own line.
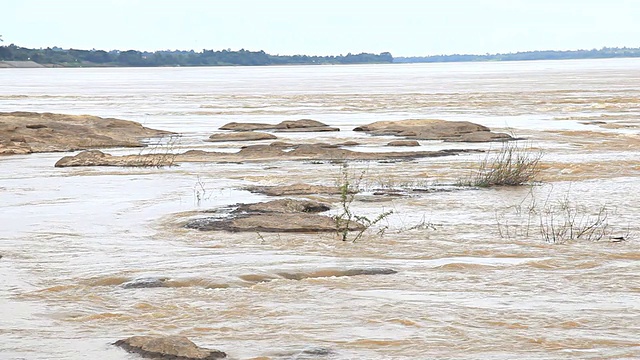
point(70, 238)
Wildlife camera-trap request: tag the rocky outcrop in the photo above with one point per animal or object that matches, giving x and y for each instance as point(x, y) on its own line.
point(281, 223)
point(280, 216)
point(303, 125)
point(403, 143)
point(253, 153)
point(295, 189)
point(462, 131)
point(98, 158)
point(168, 348)
point(283, 206)
point(241, 136)
point(29, 132)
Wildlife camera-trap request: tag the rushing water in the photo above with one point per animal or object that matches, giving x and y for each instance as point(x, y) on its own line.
point(465, 289)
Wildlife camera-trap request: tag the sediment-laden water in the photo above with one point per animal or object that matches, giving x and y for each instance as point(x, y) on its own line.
point(475, 278)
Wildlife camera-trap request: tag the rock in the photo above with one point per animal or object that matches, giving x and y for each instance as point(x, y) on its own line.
point(145, 283)
point(309, 353)
point(403, 143)
point(241, 136)
point(27, 132)
point(98, 158)
point(168, 347)
point(295, 189)
point(434, 130)
point(303, 125)
point(284, 206)
point(369, 271)
point(253, 153)
point(336, 273)
point(312, 352)
point(271, 222)
point(14, 146)
point(284, 215)
point(286, 145)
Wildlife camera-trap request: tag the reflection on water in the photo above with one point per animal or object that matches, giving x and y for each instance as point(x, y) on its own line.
point(73, 238)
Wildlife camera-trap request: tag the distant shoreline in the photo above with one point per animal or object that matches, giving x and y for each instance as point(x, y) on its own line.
point(603, 53)
point(13, 56)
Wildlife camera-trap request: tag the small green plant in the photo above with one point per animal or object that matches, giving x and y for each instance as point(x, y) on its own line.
point(512, 165)
point(346, 220)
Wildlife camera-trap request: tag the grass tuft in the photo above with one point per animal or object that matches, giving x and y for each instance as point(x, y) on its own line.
point(512, 165)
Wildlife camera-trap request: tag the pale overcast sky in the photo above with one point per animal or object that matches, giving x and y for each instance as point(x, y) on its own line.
point(324, 27)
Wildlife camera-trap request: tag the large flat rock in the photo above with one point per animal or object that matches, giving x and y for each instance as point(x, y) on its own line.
point(29, 132)
point(428, 129)
point(271, 222)
point(280, 216)
point(302, 125)
point(253, 153)
point(168, 348)
point(241, 136)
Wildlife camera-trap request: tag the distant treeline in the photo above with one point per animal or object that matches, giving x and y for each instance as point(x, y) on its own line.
point(603, 53)
point(73, 57)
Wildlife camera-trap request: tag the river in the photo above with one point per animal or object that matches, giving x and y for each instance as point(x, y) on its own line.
point(473, 281)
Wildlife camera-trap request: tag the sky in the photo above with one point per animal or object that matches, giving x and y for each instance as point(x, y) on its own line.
point(323, 27)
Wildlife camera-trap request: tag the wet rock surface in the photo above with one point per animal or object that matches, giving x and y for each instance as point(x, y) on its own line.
point(276, 222)
point(150, 282)
point(308, 353)
point(427, 129)
point(253, 153)
point(283, 206)
point(168, 348)
point(303, 125)
point(283, 216)
point(403, 143)
point(30, 132)
point(295, 189)
point(336, 273)
point(241, 136)
point(98, 158)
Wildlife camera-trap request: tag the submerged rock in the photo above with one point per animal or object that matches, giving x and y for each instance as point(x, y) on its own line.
point(271, 222)
point(98, 158)
point(314, 351)
point(295, 189)
point(286, 215)
point(145, 283)
point(241, 136)
point(284, 206)
point(426, 129)
point(168, 347)
point(403, 143)
point(303, 125)
point(336, 273)
point(30, 132)
point(253, 153)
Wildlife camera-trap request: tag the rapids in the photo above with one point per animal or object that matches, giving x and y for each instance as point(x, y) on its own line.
point(465, 288)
